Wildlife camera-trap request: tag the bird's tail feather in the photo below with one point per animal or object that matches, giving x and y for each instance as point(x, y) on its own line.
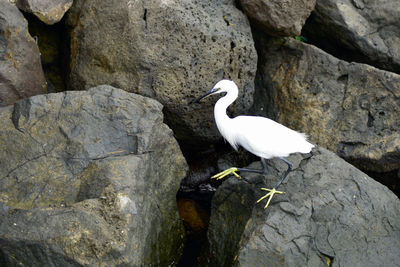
point(305, 146)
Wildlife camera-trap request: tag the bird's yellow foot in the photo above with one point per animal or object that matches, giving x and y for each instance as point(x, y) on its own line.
point(270, 194)
point(222, 174)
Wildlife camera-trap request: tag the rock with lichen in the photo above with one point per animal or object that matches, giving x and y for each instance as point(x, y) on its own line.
point(89, 178)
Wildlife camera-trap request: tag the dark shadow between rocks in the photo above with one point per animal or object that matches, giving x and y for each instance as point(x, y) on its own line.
point(196, 193)
point(389, 179)
point(53, 43)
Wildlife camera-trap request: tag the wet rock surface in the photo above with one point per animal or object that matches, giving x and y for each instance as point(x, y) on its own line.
point(21, 73)
point(89, 177)
point(332, 214)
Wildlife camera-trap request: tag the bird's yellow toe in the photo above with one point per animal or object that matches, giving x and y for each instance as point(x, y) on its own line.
point(269, 195)
point(226, 172)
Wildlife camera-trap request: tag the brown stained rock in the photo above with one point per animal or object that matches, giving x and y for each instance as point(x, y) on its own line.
point(277, 17)
point(194, 216)
point(172, 51)
point(21, 73)
point(352, 109)
point(48, 11)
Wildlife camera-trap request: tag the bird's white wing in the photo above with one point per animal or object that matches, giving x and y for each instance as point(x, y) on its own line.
point(267, 138)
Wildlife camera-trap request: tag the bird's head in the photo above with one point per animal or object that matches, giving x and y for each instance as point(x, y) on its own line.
point(223, 86)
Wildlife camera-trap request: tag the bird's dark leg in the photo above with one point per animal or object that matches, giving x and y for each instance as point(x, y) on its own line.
point(290, 168)
point(264, 170)
point(273, 191)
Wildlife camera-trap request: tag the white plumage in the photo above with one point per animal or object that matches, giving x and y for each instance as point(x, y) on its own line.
point(269, 139)
point(261, 136)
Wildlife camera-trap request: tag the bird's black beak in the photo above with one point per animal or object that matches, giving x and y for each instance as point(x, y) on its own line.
point(212, 91)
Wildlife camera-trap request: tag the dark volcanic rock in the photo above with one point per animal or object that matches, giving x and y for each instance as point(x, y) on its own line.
point(48, 11)
point(89, 178)
point(352, 109)
point(172, 51)
point(277, 17)
point(21, 73)
point(367, 31)
point(332, 214)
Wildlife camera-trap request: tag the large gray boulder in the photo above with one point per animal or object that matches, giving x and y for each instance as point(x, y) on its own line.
point(48, 11)
point(277, 17)
point(331, 215)
point(367, 30)
point(349, 108)
point(89, 178)
point(172, 51)
point(21, 73)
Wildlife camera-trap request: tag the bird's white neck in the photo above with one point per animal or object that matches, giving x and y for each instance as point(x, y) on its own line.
point(221, 118)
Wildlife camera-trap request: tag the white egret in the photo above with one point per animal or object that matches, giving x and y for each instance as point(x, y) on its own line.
point(261, 136)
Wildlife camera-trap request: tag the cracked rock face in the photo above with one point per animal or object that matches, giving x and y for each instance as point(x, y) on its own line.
point(367, 28)
point(172, 51)
point(21, 73)
point(332, 214)
point(89, 177)
point(350, 108)
point(277, 17)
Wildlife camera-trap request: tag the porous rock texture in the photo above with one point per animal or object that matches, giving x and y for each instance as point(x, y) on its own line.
point(48, 11)
point(21, 73)
point(350, 108)
point(365, 31)
point(89, 178)
point(173, 51)
point(279, 17)
point(332, 214)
